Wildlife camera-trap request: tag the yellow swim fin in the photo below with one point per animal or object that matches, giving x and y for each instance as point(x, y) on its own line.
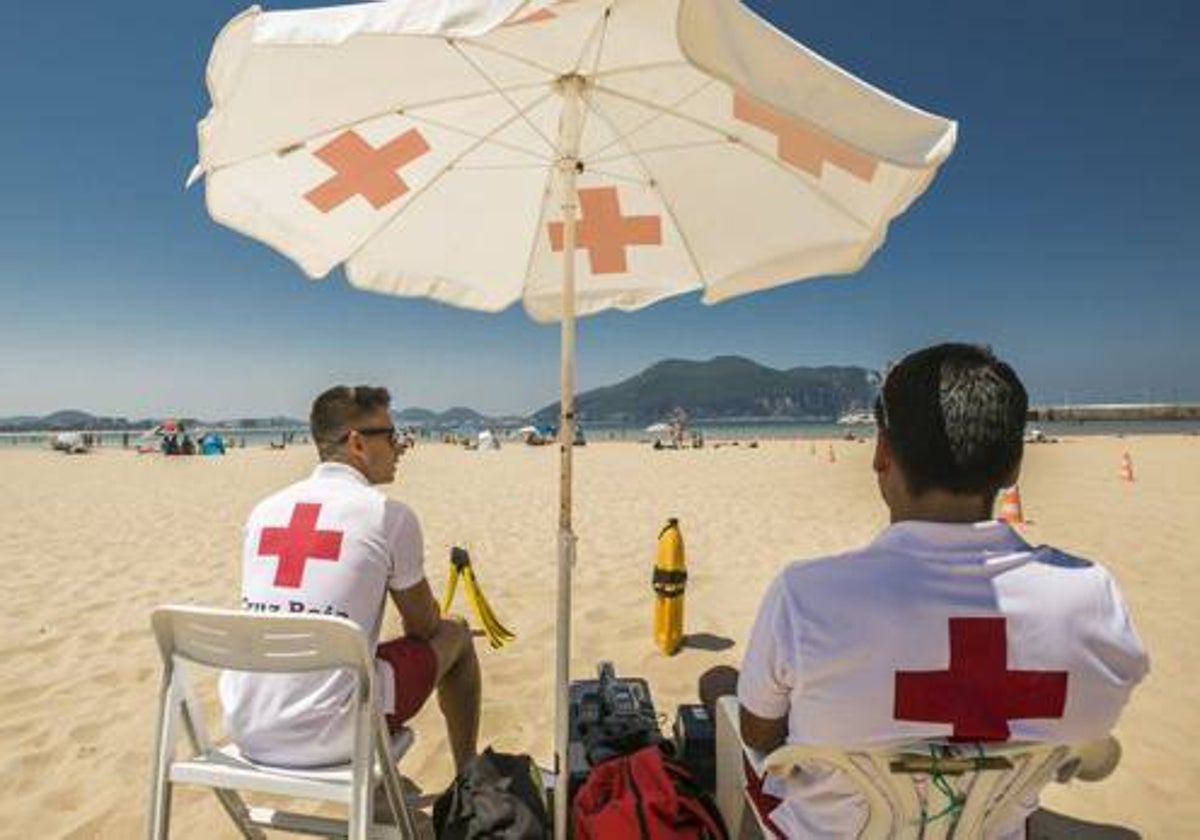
point(451, 585)
point(460, 566)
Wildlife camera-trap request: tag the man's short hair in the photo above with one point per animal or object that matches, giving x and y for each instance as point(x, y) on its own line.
point(339, 409)
point(955, 417)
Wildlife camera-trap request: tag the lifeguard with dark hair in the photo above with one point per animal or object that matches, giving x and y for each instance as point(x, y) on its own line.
point(949, 626)
point(333, 544)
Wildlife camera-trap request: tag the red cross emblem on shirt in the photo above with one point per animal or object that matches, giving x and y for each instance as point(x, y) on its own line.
point(365, 170)
point(979, 695)
point(298, 543)
point(605, 233)
point(804, 146)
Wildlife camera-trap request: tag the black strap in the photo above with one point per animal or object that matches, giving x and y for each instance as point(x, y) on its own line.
point(669, 584)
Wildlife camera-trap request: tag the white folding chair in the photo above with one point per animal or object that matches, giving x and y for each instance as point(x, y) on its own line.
point(271, 643)
point(951, 791)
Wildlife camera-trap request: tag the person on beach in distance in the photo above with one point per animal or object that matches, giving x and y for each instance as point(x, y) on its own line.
point(947, 626)
point(332, 544)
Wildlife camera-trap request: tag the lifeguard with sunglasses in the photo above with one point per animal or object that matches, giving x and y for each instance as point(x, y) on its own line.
point(333, 544)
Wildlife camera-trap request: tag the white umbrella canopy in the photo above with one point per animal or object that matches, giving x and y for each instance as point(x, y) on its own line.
point(574, 156)
point(714, 153)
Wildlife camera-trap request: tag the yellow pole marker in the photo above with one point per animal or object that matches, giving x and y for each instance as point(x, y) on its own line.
point(670, 579)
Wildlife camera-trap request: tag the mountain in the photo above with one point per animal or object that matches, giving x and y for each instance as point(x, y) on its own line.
point(414, 417)
point(726, 387)
point(448, 419)
point(69, 419)
point(82, 421)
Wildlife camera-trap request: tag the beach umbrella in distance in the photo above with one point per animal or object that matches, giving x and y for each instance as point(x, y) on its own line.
point(574, 157)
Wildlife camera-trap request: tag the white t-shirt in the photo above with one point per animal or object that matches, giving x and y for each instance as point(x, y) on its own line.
point(857, 650)
point(333, 545)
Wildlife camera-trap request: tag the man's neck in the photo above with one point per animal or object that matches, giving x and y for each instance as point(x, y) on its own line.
point(940, 506)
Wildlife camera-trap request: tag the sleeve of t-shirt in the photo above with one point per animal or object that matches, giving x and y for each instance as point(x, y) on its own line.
point(1125, 655)
point(769, 667)
point(406, 547)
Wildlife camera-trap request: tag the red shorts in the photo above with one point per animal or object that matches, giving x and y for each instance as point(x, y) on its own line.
point(414, 673)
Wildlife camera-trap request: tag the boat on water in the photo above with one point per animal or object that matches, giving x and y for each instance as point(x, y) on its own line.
point(857, 418)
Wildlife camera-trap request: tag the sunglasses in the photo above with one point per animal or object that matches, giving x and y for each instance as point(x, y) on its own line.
point(367, 431)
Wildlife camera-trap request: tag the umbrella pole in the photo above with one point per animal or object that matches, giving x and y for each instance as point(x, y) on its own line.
point(570, 127)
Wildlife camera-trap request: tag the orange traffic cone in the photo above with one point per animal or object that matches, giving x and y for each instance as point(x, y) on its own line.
point(832, 455)
point(1126, 467)
point(1010, 506)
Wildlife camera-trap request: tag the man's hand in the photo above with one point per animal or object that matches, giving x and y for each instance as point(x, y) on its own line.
point(762, 734)
point(419, 611)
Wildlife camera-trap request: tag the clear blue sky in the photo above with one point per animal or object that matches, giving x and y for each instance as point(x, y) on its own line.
point(1063, 232)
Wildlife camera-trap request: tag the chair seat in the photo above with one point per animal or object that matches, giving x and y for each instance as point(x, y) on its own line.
point(226, 767)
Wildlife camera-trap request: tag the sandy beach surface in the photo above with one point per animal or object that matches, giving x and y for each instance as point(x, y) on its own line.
point(90, 544)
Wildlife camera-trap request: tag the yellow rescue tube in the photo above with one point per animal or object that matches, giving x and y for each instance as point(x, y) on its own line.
point(670, 580)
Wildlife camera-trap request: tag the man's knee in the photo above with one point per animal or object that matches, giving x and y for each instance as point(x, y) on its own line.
point(452, 642)
point(715, 683)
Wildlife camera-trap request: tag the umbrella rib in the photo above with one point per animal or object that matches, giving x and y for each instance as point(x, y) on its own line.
point(804, 180)
point(696, 144)
point(462, 97)
point(639, 68)
point(492, 82)
point(543, 160)
point(653, 184)
point(655, 117)
point(483, 167)
point(600, 26)
point(642, 182)
point(449, 165)
point(404, 110)
point(520, 59)
point(537, 231)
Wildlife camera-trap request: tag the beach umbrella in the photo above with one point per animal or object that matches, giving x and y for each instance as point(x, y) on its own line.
point(574, 156)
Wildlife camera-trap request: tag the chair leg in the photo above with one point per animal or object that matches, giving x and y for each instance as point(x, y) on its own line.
point(235, 806)
point(362, 778)
point(731, 784)
point(159, 824)
point(392, 786)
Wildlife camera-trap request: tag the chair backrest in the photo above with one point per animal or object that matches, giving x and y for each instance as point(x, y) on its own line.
point(934, 790)
point(262, 642)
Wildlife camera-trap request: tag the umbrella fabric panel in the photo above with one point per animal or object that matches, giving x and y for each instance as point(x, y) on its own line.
point(459, 237)
point(323, 200)
point(730, 42)
point(709, 112)
point(268, 98)
point(559, 38)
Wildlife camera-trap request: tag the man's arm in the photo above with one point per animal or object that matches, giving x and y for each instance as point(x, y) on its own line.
point(419, 611)
point(762, 734)
point(768, 672)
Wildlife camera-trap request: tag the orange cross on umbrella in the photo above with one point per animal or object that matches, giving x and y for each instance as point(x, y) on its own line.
point(365, 170)
point(802, 145)
point(605, 233)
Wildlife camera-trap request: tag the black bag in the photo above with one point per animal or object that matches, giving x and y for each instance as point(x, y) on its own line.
point(497, 796)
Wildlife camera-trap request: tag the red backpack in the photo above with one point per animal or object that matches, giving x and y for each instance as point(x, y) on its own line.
point(643, 796)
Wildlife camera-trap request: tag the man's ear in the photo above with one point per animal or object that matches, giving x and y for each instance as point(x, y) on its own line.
point(882, 462)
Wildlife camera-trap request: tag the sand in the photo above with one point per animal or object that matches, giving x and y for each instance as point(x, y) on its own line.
point(90, 544)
